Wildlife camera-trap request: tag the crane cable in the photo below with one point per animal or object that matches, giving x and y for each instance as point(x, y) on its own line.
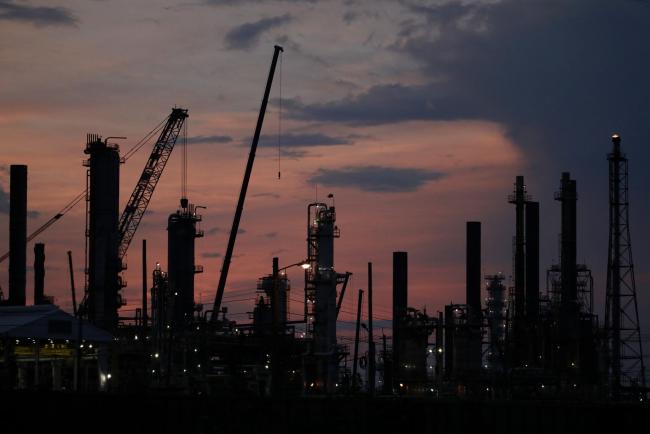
point(280, 116)
point(184, 161)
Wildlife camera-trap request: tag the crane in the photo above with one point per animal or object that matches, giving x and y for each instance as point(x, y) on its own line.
point(242, 194)
point(163, 149)
point(139, 200)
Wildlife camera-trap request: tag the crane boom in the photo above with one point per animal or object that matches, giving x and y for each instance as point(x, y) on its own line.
point(242, 194)
point(139, 200)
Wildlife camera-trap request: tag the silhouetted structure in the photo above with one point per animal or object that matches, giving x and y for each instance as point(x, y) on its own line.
point(181, 234)
point(39, 273)
point(103, 297)
point(17, 234)
point(625, 353)
point(320, 292)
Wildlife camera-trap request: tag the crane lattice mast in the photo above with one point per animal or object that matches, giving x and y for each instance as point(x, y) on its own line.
point(153, 169)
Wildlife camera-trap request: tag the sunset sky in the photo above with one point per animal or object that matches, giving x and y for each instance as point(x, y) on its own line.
point(417, 116)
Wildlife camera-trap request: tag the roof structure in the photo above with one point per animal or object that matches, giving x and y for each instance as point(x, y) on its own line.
point(46, 322)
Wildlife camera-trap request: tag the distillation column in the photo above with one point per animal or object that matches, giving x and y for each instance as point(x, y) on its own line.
point(321, 293)
point(519, 198)
point(181, 234)
point(569, 313)
point(103, 298)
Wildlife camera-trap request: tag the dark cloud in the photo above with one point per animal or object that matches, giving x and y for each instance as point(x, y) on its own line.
point(271, 195)
point(245, 36)
point(380, 105)
point(213, 231)
point(4, 201)
point(240, 2)
point(211, 255)
point(376, 178)
point(301, 140)
point(36, 15)
point(216, 230)
point(556, 74)
point(293, 154)
point(208, 139)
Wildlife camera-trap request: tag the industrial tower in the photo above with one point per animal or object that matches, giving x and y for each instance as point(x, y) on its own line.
point(320, 293)
point(626, 368)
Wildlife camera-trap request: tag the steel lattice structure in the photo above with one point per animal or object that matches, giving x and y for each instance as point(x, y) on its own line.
point(153, 169)
point(625, 354)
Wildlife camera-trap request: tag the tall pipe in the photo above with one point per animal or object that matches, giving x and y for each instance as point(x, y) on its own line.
point(568, 243)
point(355, 383)
point(39, 273)
point(17, 233)
point(276, 365)
point(519, 199)
point(145, 304)
point(473, 294)
point(532, 260)
point(371, 340)
point(400, 299)
point(473, 268)
point(242, 194)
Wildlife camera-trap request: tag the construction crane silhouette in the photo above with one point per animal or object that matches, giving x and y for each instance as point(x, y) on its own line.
point(242, 194)
point(143, 191)
point(153, 169)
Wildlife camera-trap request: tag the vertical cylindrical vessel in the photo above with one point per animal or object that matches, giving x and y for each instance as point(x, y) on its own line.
point(17, 233)
point(103, 235)
point(321, 233)
point(39, 273)
point(568, 243)
point(519, 200)
point(532, 260)
point(400, 300)
point(181, 234)
point(473, 267)
point(473, 295)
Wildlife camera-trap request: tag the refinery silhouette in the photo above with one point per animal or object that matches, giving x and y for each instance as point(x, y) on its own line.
point(514, 355)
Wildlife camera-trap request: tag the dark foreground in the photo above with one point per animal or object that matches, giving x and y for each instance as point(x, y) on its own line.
point(30, 412)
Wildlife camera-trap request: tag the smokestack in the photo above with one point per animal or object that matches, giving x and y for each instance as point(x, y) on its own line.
point(568, 244)
point(400, 288)
point(17, 234)
point(519, 199)
point(473, 295)
point(39, 273)
point(473, 267)
point(532, 260)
